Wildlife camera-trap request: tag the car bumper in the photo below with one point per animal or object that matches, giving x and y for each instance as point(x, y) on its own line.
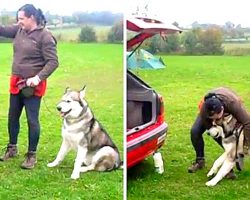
point(145, 142)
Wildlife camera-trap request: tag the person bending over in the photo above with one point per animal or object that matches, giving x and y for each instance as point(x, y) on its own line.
point(216, 104)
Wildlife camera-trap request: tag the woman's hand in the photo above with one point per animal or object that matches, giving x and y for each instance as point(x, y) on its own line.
point(33, 81)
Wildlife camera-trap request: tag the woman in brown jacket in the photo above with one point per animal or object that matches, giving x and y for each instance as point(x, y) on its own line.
point(34, 60)
point(217, 104)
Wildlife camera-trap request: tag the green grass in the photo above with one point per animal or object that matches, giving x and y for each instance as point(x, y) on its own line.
point(99, 66)
point(182, 84)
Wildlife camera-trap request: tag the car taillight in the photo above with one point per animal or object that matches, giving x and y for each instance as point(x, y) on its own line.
point(161, 113)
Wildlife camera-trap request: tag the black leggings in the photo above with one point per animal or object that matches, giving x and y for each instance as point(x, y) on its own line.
point(32, 107)
point(197, 131)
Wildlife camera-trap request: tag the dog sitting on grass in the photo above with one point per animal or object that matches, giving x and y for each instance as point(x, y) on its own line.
point(83, 133)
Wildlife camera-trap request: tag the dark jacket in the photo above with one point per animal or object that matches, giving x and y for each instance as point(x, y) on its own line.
point(34, 52)
point(232, 105)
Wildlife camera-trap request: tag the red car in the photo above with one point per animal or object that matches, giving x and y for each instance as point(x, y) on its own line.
point(146, 128)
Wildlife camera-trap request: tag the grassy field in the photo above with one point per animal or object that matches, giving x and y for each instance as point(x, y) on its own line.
point(236, 45)
point(99, 66)
point(183, 83)
point(237, 48)
point(71, 34)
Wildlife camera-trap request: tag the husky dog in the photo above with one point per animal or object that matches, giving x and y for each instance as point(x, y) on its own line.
point(232, 137)
point(83, 133)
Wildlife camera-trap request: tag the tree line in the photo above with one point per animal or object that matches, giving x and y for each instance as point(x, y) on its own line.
point(196, 41)
point(115, 35)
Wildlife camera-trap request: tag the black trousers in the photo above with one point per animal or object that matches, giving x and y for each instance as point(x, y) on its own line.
point(32, 106)
point(197, 130)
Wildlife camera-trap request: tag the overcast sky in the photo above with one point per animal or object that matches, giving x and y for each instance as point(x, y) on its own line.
point(184, 12)
point(65, 7)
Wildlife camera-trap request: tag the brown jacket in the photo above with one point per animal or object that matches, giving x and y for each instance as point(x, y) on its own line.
point(232, 105)
point(34, 52)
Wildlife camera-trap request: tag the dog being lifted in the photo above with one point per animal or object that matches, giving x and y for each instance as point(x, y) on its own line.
point(232, 137)
point(83, 133)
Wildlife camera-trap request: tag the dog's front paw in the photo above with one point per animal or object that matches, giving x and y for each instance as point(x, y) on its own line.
point(211, 183)
point(84, 169)
point(211, 173)
point(52, 164)
point(75, 175)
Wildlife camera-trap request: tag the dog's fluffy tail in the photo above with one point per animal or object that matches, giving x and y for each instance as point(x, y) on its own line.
point(118, 166)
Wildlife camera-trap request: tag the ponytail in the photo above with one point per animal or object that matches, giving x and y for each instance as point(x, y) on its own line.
point(40, 18)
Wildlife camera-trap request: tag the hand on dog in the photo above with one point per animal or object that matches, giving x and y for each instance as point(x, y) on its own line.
point(33, 81)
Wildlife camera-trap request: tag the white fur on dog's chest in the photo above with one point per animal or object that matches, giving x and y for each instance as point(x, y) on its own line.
point(72, 139)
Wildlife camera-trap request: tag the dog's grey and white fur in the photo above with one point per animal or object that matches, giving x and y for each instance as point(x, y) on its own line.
point(232, 141)
point(83, 133)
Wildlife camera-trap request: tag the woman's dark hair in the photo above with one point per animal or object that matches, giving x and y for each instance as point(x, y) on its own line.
point(30, 10)
point(213, 104)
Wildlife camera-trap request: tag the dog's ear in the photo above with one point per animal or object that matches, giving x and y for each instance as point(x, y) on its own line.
point(67, 90)
point(82, 92)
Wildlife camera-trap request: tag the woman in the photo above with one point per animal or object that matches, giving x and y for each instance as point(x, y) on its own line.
point(34, 60)
point(217, 103)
